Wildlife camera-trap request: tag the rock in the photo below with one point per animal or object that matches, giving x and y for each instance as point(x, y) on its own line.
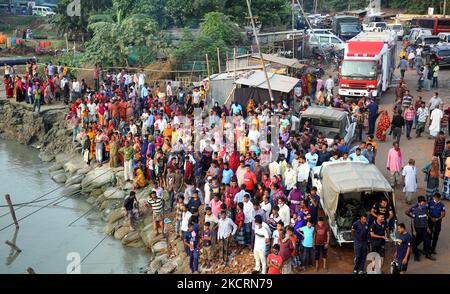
point(97, 178)
point(136, 244)
point(62, 158)
point(73, 165)
point(46, 157)
point(116, 215)
point(96, 192)
point(159, 246)
point(168, 268)
point(112, 227)
point(147, 235)
point(57, 172)
point(131, 237)
point(55, 167)
point(110, 204)
point(59, 178)
point(90, 200)
point(71, 190)
point(83, 171)
point(179, 247)
point(157, 263)
point(121, 232)
point(118, 169)
point(74, 180)
point(114, 193)
point(128, 186)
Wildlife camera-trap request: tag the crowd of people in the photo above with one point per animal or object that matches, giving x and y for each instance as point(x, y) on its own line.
point(249, 188)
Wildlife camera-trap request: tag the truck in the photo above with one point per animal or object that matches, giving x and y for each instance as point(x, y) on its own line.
point(346, 27)
point(368, 64)
point(348, 189)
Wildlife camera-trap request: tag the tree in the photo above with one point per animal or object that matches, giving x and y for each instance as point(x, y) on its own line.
point(218, 26)
point(179, 11)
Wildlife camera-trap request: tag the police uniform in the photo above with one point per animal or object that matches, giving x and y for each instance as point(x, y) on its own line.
point(419, 213)
point(435, 210)
point(377, 244)
point(403, 243)
point(360, 244)
point(385, 212)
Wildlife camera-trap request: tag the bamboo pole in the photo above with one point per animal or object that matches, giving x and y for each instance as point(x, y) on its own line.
point(13, 246)
point(234, 62)
point(11, 210)
point(218, 60)
point(209, 77)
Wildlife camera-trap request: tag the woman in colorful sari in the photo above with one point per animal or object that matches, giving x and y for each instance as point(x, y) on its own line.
point(139, 178)
point(384, 123)
point(250, 105)
point(431, 171)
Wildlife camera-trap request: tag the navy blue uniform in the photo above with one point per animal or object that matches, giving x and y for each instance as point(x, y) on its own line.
point(360, 244)
point(385, 211)
point(419, 213)
point(404, 242)
point(377, 244)
point(435, 210)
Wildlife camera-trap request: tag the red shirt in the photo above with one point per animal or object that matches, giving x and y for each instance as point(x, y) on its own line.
point(249, 180)
point(275, 259)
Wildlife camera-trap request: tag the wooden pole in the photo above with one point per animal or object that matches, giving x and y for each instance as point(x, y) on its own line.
point(11, 210)
point(259, 49)
point(209, 78)
point(218, 60)
point(13, 246)
point(234, 62)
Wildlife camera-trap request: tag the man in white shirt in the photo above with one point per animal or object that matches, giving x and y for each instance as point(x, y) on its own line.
point(266, 206)
point(240, 173)
point(303, 175)
point(410, 179)
point(329, 84)
point(249, 215)
point(259, 249)
point(185, 218)
point(76, 88)
point(284, 211)
point(253, 134)
point(227, 229)
point(169, 92)
point(161, 124)
point(274, 169)
point(296, 161)
point(290, 178)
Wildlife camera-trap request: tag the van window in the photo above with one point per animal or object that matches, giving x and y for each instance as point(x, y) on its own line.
point(427, 23)
point(324, 40)
point(444, 22)
point(335, 41)
point(443, 53)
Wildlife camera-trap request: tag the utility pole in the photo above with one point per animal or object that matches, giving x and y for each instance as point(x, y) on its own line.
point(293, 28)
point(259, 50)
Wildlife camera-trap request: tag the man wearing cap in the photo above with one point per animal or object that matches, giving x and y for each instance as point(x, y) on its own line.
point(436, 211)
point(420, 230)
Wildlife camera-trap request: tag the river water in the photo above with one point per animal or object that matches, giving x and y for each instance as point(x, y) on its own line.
point(50, 243)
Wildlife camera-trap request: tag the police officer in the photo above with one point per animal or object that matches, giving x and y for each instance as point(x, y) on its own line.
point(436, 212)
point(420, 230)
point(383, 207)
point(360, 230)
point(378, 232)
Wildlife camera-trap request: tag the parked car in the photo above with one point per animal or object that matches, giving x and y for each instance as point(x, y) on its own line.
point(42, 11)
point(331, 122)
point(376, 27)
point(415, 33)
point(322, 40)
point(445, 37)
point(398, 29)
point(427, 42)
point(441, 54)
point(318, 31)
point(349, 189)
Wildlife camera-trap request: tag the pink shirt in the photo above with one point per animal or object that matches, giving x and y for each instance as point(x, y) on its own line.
point(215, 207)
point(394, 160)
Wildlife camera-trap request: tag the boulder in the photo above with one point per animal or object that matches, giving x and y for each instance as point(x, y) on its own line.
point(114, 193)
point(131, 237)
point(97, 178)
point(55, 167)
point(59, 178)
point(179, 247)
point(57, 172)
point(135, 244)
point(168, 268)
point(62, 158)
point(73, 165)
point(96, 192)
point(90, 200)
point(118, 169)
point(71, 190)
point(115, 215)
point(157, 263)
point(83, 171)
point(147, 235)
point(128, 186)
point(46, 157)
point(110, 204)
point(121, 232)
point(76, 179)
point(112, 227)
point(159, 247)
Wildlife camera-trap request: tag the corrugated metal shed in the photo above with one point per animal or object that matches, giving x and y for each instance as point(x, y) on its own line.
point(257, 79)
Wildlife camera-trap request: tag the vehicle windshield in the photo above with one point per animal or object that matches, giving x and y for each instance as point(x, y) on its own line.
point(396, 27)
point(443, 53)
point(330, 128)
point(359, 69)
point(429, 41)
point(350, 28)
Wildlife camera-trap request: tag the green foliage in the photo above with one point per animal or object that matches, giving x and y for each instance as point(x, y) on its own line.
point(218, 26)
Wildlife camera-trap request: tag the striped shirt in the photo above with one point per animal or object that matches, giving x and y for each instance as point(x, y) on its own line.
point(157, 205)
point(409, 114)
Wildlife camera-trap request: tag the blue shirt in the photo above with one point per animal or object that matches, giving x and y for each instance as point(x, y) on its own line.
point(236, 108)
point(308, 236)
point(361, 232)
point(312, 159)
point(373, 109)
point(435, 209)
point(239, 197)
point(403, 64)
point(342, 149)
point(226, 176)
point(144, 92)
point(405, 241)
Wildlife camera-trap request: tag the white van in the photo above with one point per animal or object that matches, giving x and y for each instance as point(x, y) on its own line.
point(43, 11)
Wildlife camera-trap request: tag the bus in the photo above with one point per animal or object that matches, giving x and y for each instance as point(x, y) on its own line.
point(435, 24)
